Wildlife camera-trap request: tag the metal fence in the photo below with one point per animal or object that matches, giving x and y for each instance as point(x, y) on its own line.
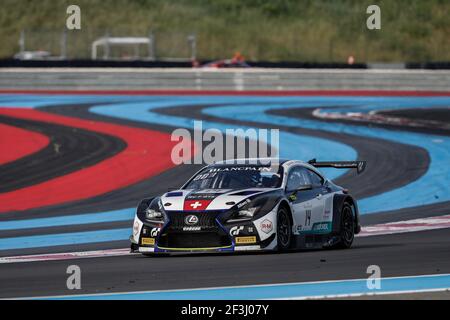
point(188, 46)
point(105, 44)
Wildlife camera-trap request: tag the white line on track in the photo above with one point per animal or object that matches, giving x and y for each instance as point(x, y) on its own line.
point(272, 285)
point(67, 256)
point(365, 294)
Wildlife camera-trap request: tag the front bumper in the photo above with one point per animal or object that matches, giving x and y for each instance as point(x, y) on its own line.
point(170, 237)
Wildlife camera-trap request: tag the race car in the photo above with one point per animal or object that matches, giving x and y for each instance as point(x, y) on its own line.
point(250, 205)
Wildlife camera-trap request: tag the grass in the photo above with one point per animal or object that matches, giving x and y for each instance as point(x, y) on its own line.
point(271, 30)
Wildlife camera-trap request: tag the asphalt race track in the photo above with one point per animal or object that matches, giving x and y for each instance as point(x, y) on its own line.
point(74, 166)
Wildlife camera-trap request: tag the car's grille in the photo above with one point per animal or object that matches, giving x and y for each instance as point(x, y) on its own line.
point(206, 220)
point(205, 234)
point(194, 240)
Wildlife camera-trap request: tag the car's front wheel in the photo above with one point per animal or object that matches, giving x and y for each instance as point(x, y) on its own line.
point(284, 230)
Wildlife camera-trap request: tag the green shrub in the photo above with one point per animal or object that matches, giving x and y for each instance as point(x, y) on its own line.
point(308, 30)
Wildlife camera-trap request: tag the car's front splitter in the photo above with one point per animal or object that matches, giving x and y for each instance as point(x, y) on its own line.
point(156, 249)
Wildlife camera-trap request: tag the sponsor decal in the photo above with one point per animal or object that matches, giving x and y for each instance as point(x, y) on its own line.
point(190, 205)
point(326, 214)
point(235, 230)
point(321, 226)
point(250, 229)
point(206, 194)
point(155, 232)
point(148, 241)
point(247, 248)
point(192, 228)
point(308, 217)
point(240, 240)
point(243, 203)
point(199, 196)
point(266, 226)
point(191, 220)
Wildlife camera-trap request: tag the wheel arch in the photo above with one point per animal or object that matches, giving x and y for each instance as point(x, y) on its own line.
point(338, 202)
point(285, 204)
point(142, 205)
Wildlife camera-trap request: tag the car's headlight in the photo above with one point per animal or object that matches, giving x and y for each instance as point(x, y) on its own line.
point(245, 211)
point(152, 214)
point(251, 209)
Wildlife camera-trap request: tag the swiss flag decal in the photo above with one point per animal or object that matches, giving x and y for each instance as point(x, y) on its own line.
point(196, 205)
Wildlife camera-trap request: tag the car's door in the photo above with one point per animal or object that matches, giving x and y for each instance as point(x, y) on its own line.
point(307, 205)
point(322, 204)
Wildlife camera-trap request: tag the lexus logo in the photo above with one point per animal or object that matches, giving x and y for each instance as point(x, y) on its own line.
point(191, 219)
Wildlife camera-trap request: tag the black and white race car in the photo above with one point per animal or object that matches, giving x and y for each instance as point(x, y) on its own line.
point(241, 205)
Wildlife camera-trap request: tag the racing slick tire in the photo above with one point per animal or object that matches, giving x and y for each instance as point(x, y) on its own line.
point(284, 230)
point(347, 230)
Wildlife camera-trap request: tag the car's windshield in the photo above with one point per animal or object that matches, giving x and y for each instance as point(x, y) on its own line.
point(236, 177)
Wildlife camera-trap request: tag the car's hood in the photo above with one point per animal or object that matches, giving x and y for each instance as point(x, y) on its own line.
point(207, 199)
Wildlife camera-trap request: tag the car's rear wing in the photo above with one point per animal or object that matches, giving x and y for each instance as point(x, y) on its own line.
point(359, 165)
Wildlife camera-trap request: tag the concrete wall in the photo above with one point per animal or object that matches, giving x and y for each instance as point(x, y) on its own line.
point(225, 79)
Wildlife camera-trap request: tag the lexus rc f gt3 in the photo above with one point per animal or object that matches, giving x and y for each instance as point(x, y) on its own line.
point(245, 205)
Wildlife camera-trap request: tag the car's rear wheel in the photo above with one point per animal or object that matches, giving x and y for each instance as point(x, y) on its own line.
point(284, 229)
point(347, 233)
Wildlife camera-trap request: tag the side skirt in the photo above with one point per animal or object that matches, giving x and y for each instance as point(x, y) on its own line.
point(313, 241)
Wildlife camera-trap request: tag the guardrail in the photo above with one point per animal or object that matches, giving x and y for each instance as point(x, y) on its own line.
point(223, 79)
